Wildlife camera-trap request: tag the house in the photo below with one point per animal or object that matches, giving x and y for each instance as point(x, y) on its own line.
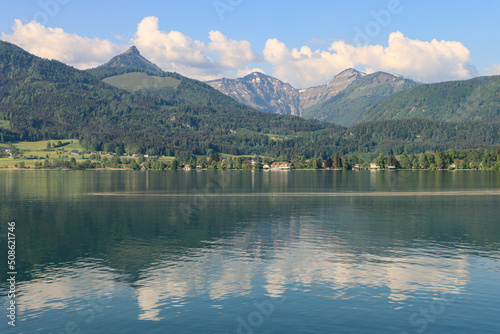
point(93, 152)
point(373, 165)
point(356, 167)
point(75, 152)
point(282, 165)
point(391, 167)
point(22, 157)
point(266, 166)
point(135, 156)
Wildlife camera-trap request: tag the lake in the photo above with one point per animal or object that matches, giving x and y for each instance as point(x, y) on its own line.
point(252, 252)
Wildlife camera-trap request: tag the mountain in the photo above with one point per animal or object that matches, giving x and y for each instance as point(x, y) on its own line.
point(132, 58)
point(313, 96)
point(262, 92)
point(343, 100)
point(476, 99)
point(349, 104)
point(45, 99)
point(168, 85)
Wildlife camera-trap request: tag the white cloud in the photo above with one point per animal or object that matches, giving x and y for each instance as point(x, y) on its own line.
point(493, 70)
point(304, 68)
point(232, 54)
point(175, 51)
point(424, 61)
point(247, 71)
point(172, 51)
point(54, 43)
point(223, 57)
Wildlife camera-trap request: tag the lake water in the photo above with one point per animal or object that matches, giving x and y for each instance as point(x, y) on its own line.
point(252, 252)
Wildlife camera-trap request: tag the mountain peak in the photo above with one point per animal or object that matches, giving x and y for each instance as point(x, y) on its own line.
point(350, 72)
point(255, 75)
point(132, 58)
point(133, 50)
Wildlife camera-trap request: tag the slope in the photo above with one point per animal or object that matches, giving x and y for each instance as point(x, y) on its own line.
point(262, 92)
point(348, 106)
point(470, 100)
point(159, 84)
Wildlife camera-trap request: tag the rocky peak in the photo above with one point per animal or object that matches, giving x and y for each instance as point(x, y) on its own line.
point(133, 50)
point(132, 58)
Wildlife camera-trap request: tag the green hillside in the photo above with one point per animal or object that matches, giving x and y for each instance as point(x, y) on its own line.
point(348, 106)
point(139, 80)
point(471, 100)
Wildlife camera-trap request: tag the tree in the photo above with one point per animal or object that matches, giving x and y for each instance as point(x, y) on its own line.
point(393, 161)
point(380, 161)
point(49, 145)
point(257, 165)
point(133, 164)
point(174, 165)
point(337, 161)
point(214, 157)
point(329, 163)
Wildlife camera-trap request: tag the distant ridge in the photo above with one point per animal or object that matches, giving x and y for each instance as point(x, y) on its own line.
point(132, 58)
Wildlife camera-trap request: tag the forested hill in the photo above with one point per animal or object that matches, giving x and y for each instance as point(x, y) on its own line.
point(168, 85)
point(457, 101)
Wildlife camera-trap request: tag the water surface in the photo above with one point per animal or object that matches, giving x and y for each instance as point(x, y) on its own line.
point(253, 252)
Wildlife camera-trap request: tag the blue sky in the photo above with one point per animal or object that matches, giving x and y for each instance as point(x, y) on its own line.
point(304, 43)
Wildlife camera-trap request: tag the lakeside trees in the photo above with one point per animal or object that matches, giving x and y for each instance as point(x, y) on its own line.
point(482, 159)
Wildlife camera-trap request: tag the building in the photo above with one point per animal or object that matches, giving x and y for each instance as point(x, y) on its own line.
point(75, 152)
point(356, 167)
point(373, 165)
point(282, 165)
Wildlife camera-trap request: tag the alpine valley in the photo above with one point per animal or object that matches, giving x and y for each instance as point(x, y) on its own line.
point(131, 104)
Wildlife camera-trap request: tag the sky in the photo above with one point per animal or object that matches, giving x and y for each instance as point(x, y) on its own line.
point(304, 43)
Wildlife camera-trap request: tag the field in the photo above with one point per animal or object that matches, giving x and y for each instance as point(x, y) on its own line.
point(39, 149)
point(136, 81)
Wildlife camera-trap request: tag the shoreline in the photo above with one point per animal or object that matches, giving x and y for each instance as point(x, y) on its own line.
point(251, 170)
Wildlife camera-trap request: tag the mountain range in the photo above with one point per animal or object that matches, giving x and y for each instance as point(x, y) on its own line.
point(343, 100)
point(127, 103)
